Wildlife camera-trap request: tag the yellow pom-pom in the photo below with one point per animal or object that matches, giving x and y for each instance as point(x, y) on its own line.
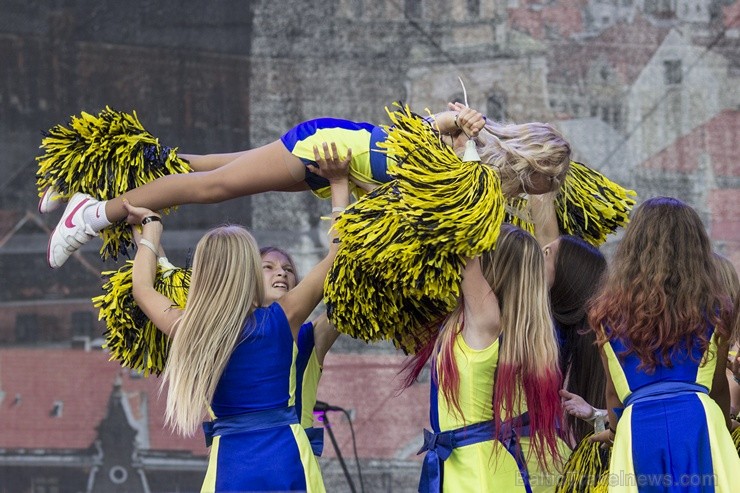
point(586, 467)
point(404, 244)
point(104, 156)
point(592, 206)
point(130, 337)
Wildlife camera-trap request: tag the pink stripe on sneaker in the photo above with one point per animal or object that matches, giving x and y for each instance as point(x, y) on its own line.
point(68, 220)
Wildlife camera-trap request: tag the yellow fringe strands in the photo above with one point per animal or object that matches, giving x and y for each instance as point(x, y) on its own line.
point(104, 156)
point(585, 468)
point(736, 439)
point(602, 486)
point(130, 337)
point(403, 245)
point(517, 213)
point(588, 205)
point(592, 206)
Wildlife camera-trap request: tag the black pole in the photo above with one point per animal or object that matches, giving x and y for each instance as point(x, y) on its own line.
point(327, 426)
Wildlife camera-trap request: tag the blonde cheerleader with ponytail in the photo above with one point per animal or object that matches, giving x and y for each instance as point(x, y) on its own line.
point(495, 408)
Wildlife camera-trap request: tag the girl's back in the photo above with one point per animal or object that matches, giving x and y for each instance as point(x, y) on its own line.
point(671, 432)
point(663, 323)
point(260, 380)
point(257, 375)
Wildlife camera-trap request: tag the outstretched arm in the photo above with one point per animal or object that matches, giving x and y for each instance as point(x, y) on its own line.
point(158, 308)
point(324, 334)
point(546, 228)
point(301, 300)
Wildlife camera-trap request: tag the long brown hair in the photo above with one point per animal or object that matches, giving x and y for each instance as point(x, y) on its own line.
point(663, 288)
point(579, 269)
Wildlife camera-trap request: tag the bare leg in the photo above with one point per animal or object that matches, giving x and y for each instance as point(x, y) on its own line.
point(367, 187)
point(208, 162)
point(268, 168)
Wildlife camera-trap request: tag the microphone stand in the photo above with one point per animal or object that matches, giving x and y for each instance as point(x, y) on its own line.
point(327, 426)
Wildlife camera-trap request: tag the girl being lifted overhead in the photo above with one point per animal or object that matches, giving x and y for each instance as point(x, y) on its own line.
point(531, 158)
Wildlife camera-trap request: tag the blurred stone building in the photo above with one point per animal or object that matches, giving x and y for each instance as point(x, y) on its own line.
point(645, 92)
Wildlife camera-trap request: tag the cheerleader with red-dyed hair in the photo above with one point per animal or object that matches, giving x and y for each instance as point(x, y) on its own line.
point(663, 321)
point(495, 407)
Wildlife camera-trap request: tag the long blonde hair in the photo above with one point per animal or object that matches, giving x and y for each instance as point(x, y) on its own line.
point(529, 357)
point(519, 151)
point(225, 287)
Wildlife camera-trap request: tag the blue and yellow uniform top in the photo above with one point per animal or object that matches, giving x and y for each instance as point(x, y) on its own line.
point(369, 163)
point(671, 435)
point(260, 380)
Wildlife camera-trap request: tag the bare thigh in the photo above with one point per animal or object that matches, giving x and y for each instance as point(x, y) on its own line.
point(268, 168)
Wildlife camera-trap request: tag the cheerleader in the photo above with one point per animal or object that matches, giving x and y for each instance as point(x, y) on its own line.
point(234, 358)
point(663, 321)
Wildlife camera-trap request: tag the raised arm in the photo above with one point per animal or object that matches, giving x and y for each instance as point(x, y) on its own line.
point(301, 300)
point(482, 324)
point(459, 118)
point(324, 334)
point(546, 228)
point(163, 313)
point(208, 162)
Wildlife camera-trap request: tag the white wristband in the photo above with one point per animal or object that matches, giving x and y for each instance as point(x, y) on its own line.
point(337, 209)
point(150, 246)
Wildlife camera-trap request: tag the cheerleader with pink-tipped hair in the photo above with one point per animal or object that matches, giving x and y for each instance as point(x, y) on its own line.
point(495, 407)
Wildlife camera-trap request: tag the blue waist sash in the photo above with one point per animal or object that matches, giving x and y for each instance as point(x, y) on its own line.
point(663, 390)
point(316, 437)
point(258, 420)
point(439, 447)
point(659, 390)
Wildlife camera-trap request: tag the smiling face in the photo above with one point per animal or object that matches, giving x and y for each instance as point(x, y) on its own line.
point(551, 255)
point(279, 276)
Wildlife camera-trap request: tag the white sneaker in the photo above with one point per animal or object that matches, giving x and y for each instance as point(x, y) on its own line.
point(50, 201)
point(71, 232)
